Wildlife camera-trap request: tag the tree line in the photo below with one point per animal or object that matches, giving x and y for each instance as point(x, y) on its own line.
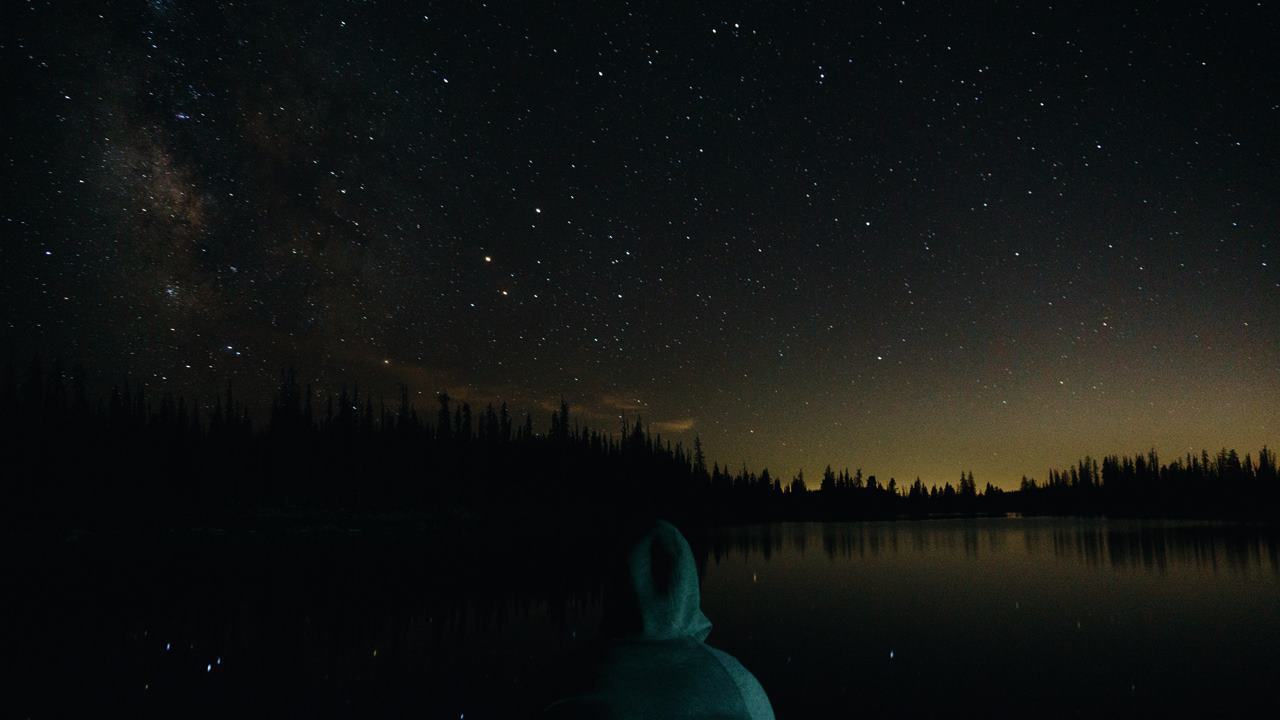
point(131, 457)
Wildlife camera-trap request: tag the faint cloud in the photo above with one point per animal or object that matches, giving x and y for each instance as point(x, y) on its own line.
point(619, 402)
point(673, 426)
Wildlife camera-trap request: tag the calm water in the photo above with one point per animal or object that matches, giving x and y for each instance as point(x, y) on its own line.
point(1001, 615)
point(989, 616)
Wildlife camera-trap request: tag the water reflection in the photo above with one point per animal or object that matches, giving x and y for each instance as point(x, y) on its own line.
point(854, 610)
point(1152, 545)
point(1016, 616)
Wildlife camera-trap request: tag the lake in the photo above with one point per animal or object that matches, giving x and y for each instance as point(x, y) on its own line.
point(1000, 616)
point(991, 616)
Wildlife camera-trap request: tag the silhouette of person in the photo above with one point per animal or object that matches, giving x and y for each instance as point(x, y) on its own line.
point(653, 661)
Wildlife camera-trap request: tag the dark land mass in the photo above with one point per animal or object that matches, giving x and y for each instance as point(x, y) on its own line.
point(133, 461)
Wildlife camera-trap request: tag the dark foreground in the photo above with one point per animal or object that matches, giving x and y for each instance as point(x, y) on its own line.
point(465, 617)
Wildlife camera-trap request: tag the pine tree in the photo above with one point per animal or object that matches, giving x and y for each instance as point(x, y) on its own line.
point(443, 417)
point(699, 459)
point(828, 482)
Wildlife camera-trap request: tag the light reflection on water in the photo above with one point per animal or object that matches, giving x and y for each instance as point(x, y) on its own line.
point(1081, 616)
point(1154, 545)
point(1059, 615)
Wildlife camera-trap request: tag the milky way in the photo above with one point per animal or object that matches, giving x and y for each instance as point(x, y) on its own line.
point(909, 237)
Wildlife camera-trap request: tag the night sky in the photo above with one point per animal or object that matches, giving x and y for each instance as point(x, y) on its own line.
point(907, 237)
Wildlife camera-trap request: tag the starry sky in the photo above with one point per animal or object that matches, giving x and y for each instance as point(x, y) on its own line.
point(916, 238)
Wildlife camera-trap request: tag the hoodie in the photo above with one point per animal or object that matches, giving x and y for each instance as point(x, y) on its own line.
point(655, 662)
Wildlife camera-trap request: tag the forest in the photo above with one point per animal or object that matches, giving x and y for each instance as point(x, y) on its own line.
point(72, 460)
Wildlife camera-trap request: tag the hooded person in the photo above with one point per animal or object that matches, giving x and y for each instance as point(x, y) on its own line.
point(654, 661)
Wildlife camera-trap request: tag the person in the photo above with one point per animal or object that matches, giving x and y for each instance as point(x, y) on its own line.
point(653, 661)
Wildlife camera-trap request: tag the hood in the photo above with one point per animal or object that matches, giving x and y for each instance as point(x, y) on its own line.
point(653, 592)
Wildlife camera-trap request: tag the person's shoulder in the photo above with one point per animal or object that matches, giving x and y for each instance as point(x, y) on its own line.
point(753, 694)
